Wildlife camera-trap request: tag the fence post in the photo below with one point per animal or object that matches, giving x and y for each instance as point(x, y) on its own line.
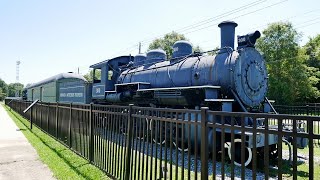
point(128, 151)
point(91, 145)
point(307, 106)
point(311, 148)
point(40, 109)
point(48, 111)
point(31, 117)
point(69, 127)
point(57, 112)
point(204, 143)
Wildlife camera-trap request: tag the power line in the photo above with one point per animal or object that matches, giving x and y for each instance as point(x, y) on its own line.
point(306, 22)
point(223, 15)
point(128, 49)
point(199, 29)
point(245, 14)
point(294, 16)
point(285, 19)
point(309, 24)
point(203, 22)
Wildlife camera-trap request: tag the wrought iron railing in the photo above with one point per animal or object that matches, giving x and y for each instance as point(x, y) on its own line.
point(130, 142)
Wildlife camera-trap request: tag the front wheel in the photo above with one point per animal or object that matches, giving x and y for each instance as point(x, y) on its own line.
point(237, 157)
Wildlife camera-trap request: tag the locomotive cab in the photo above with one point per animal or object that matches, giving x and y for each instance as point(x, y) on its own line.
point(105, 75)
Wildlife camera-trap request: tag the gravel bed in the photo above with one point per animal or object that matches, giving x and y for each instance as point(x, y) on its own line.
point(154, 150)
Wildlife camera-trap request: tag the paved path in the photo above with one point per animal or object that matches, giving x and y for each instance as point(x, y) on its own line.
point(18, 159)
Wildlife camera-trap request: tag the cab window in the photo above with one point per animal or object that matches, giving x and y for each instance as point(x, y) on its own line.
point(96, 75)
point(110, 72)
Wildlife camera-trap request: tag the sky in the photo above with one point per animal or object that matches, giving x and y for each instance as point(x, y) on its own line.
point(51, 37)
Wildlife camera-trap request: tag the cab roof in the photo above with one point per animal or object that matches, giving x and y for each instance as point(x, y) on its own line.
point(103, 63)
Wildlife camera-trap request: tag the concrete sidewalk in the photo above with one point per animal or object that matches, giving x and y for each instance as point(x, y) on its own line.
point(18, 159)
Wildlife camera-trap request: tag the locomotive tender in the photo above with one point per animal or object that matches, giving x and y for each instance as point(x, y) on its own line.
point(234, 80)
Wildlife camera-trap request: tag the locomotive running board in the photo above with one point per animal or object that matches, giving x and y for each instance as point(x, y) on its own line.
point(181, 88)
point(219, 100)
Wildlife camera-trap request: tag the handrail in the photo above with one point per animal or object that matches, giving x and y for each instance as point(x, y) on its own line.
point(273, 109)
point(29, 107)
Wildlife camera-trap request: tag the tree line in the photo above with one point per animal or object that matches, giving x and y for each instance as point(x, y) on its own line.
point(10, 90)
point(293, 69)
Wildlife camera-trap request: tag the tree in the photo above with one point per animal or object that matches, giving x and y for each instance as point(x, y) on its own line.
point(14, 88)
point(167, 42)
point(89, 75)
point(289, 78)
point(2, 95)
point(312, 50)
point(3, 89)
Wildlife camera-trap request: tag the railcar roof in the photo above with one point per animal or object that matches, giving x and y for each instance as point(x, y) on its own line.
point(56, 78)
point(102, 63)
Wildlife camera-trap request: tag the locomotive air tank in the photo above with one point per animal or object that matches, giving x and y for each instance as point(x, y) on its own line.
point(242, 71)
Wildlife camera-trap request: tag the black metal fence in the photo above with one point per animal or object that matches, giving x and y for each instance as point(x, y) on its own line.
point(130, 142)
point(312, 109)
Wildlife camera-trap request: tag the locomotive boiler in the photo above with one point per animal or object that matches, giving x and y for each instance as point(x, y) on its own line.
point(192, 80)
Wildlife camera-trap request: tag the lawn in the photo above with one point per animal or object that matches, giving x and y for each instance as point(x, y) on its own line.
point(63, 162)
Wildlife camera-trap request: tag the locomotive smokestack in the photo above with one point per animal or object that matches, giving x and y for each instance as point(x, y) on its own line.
point(227, 33)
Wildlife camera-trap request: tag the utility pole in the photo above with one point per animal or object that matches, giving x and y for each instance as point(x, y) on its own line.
point(139, 47)
point(17, 94)
point(17, 70)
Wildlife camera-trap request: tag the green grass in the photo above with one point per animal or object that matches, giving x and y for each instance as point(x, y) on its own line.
point(63, 162)
point(302, 166)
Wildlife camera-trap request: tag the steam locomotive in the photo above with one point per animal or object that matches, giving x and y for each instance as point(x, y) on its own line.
point(233, 80)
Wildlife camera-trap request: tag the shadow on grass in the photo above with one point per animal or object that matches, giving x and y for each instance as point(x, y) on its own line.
point(21, 129)
point(57, 152)
point(287, 170)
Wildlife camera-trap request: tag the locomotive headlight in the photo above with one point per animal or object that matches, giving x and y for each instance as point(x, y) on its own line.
point(248, 40)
